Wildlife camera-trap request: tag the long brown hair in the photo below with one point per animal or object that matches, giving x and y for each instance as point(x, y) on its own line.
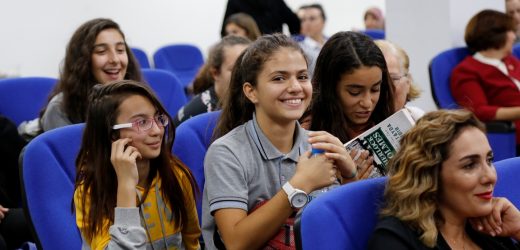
point(245, 22)
point(96, 175)
point(216, 58)
point(342, 54)
point(412, 191)
point(76, 77)
point(237, 109)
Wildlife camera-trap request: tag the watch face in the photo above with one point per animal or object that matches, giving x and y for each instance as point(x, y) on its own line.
point(299, 200)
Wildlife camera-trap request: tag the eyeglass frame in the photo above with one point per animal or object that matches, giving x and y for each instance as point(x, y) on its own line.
point(153, 119)
point(398, 78)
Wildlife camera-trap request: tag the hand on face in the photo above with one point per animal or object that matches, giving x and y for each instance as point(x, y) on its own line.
point(334, 150)
point(123, 158)
point(504, 220)
point(364, 163)
point(313, 172)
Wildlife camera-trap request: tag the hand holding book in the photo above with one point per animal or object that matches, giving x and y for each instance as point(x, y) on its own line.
point(364, 162)
point(334, 150)
point(382, 140)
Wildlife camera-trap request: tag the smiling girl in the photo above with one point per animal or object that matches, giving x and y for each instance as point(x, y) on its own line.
point(130, 191)
point(96, 53)
point(452, 206)
point(262, 154)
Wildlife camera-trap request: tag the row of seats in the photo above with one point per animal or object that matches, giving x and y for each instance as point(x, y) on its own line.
point(183, 60)
point(57, 151)
point(48, 173)
point(21, 99)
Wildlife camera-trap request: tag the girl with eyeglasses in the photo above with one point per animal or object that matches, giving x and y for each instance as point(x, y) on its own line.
point(130, 191)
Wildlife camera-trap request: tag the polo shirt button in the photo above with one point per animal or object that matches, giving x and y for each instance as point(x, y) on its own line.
point(510, 67)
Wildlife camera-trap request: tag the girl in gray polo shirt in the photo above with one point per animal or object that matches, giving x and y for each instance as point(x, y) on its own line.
point(262, 153)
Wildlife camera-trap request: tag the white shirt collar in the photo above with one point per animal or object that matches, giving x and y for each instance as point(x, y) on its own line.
point(487, 60)
point(311, 42)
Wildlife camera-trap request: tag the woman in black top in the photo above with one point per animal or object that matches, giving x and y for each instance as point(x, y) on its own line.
point(440, 191)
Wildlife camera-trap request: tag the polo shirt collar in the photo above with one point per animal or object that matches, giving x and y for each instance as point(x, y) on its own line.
point(268, 150)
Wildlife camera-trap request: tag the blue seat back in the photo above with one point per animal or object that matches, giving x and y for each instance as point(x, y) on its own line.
point(516, 51)
point(22, 99)
point(184, 60)
point(508, 171)
point(375, 34)
point(343, 218)
point(192, 139)
point(48, 175)
point(141, 57)
point(167, 87)
point(440, 70)
point(503, 144)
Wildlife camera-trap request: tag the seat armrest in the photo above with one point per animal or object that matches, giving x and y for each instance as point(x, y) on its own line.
point(500, 127)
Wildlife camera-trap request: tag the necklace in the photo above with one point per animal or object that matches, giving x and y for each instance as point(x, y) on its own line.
point(454, 242)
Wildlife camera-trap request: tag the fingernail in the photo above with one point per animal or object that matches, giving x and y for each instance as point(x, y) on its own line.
point(480, 228)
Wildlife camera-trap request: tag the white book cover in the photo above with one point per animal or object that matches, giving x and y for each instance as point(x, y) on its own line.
point(383, 140)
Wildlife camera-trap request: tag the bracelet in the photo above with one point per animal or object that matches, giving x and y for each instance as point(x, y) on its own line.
point(354, 174)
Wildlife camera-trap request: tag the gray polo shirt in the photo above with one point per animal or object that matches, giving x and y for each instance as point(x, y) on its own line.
point(243, 168)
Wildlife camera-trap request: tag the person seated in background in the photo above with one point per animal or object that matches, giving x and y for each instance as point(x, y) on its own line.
point(14, 229)
point(398, 64)
point(439, 193)
point(242, 24)
point(353, 91)
point(96, 53)
point(488, 81)
point(312, 18)
point(374, 19)
point(130, 191)
point(213, 77)
point(259, 170)
point(513, 10)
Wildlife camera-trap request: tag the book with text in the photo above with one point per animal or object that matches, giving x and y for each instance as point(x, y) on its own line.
point(383, 139)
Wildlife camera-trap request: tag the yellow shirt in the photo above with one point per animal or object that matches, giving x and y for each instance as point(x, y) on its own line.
point(175, 237)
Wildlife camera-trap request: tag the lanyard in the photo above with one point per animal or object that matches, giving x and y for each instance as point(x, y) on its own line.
point(141, 209)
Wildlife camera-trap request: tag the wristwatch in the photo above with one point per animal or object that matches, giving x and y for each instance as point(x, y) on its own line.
point(297, 198)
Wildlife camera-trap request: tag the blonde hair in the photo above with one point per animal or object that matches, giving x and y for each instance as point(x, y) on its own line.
point(412, 191)
point(404, 64)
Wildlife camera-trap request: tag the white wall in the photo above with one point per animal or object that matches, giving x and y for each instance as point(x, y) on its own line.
point(35, 33)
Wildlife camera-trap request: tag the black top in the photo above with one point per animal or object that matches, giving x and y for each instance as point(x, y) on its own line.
point(202, 103)
point(11, 144)
point(269, 15)
point(392, 233)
